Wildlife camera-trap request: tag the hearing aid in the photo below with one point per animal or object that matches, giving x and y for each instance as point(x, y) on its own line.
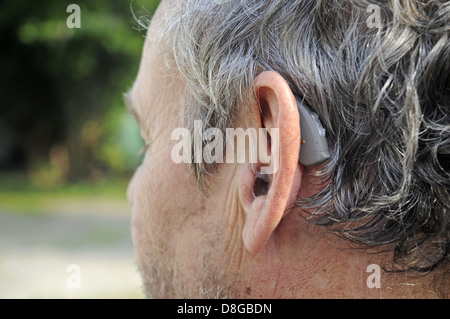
point(314, 146)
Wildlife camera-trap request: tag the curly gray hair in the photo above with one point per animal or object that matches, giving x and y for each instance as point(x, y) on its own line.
point(382, 93)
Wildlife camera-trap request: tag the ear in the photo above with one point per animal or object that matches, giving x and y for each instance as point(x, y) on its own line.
point(266, 199)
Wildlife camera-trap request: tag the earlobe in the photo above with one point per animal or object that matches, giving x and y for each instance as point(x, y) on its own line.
point(265, 199)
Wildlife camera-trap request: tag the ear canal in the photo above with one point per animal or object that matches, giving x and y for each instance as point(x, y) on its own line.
point(260, 188)
point(261, 185)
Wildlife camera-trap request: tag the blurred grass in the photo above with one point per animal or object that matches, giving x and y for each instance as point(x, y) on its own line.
point(17, 195)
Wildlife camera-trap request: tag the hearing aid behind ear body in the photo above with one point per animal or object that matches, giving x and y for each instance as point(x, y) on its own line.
point(314, 146)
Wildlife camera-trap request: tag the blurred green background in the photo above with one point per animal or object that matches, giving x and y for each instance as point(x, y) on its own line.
point(67, 144)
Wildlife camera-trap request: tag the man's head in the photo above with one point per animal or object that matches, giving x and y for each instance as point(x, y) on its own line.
point(381, 91)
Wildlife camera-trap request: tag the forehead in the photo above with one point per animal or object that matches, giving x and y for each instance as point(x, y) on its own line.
point(158, 86)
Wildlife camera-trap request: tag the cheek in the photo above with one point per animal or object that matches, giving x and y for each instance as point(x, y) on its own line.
point(167, 225)
point(152, 223)
point(149, 196)
point(132, 185)
point(164, 204)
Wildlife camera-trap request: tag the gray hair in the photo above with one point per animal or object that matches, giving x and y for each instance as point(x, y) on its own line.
point(382, 93)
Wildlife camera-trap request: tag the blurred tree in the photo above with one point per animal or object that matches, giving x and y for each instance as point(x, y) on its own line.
point(60, 87)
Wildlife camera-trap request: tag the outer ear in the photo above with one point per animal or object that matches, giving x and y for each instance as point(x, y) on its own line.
point(275, 108)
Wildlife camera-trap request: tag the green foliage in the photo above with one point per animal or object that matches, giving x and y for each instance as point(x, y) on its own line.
point(62, 117)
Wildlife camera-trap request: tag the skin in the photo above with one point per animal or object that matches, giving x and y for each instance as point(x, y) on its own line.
point(228, 243)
